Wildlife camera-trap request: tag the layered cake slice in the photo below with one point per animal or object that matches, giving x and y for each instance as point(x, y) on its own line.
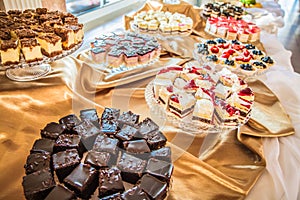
point(67, 37)
point(225, 114)
point(181, 104)
point(10, 52)
point(51, 44)
point(243, 105)
point(31, 49)
point(78, 32)
point(203, 111)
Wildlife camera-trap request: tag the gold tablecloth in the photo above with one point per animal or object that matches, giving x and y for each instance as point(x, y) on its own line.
point(222, 165)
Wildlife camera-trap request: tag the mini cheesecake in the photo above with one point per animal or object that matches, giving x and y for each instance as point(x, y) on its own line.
point(115, 58)
point(10, 52)
point(131, 58)
point(67, 37)
point(203, 111)
point(31, 49)
point(98, 54)
point(50, 44)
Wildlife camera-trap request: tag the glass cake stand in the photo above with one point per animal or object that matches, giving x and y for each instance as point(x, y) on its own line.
point(186, 123)
point(24, 71)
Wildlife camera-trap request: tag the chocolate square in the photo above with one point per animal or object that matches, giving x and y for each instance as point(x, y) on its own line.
point(132, 168)
point(90, 114)
point(127, 132)
point(163, 153)
point(134, 193)
point(110, 182)
point(146, 127)
point(160, 169)
point(52, 130)
point(128, 118)
point(139, 148)
point(37, 161)
point(110, 114)
point(99, 159)
point(156, 140)
point(70, 121)
point(43, 145)
point(109, 127)
point(67, 141)
point(60, 192)
point(83, 180)
point(88, 133)
point(64, 163)
point(155, 188)
point(107, 144)
point(37, 185)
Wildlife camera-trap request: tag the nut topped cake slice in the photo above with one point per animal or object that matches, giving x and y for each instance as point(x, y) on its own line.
point(67, 37)
point(51, 44)
point(10, 52)
point(31, 49)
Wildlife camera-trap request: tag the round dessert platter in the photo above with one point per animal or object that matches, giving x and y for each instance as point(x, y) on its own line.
point(121, 52)
point(162, 24)
point(32, 38)
point(246, 60)
point(114, 156)
point(199, 100)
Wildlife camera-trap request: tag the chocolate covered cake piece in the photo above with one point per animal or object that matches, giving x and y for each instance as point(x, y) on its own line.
point(146, 127)
point(37, 185)
point(52, 130)
point(111, 114)
point(88, 133)
point(163, 153)
point(110, 182)
point(139, 148)
point(37, 161)
point(91, 115)
point(128, 118)
point(43, 145)
point(107, 144)
point(83, 180)
point(99, 160)
point(127, 132)
point(134, 193)
point(68, 141)
point(156, 140)
point(160, 169)
point(60, 192)
point(70, 121)
point(64, 163)
point(109, 127)
point(155, 188)
point(132, 168)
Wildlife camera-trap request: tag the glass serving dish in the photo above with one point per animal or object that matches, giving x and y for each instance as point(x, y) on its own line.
point(35, 70)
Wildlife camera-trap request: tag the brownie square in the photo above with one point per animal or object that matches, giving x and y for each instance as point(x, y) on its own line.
point(88, 133)
point(69, 141)
point(43, 145)
point(134, 193)
point(52, 130)
point(116, 196)
point(160, 169)
point(155, 188)
point(128, 118)
point(110, 182)
point(64, 163)
point(132, 168)
point(99, 159)
point(83, 180)
point(109, 127)
point(127, 132)
point(37, 185)
point(146, 127)
point(60, 192)
point(156, 140)
point(37, 161)
point(163, 153)
point(110, 114)
point(70, 121)
point(91, 115)
point(139, 148)
point(107, 144)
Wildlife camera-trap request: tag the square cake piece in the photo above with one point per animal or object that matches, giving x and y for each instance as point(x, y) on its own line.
point(109, 127)
point(134, 193)
point(88, 133)
point(37, 161)
point(67, 37)
point(127, 132)
point(91, 115)
point(83, 180)
point(43, 145)
point(160, 169)
point(99, 160)
point(132, 168)
point(10, 52)
point(70, 121)
point(38, 184)
point(128, 118)
point(156, 140)
point(110, 114)
point(107, 144)
point(50, 44)
point(155, 188)
point(69, 141)
point(60, 192)
point(147, 126)
point(52, 130)
point(110, 182)
point(138, 148)
point(163, 153)
point(31, 50)
point(64, 163)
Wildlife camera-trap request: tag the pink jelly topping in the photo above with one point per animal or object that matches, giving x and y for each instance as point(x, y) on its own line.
point(246, 92)
point(191, 85)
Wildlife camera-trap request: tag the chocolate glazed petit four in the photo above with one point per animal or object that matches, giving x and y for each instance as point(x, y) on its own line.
point(78, 159)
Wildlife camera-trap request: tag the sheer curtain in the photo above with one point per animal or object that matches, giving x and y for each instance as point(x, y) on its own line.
point(27, 4)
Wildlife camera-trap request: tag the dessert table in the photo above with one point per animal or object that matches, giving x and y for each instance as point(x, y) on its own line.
point(260, 160)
